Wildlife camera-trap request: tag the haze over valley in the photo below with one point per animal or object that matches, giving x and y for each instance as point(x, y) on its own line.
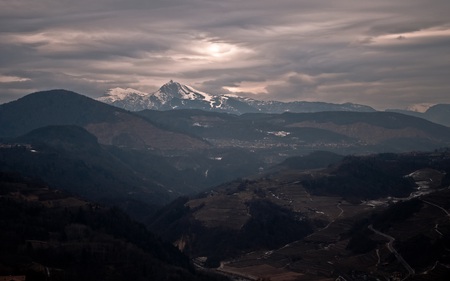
point(255, 195)
point(224, 140)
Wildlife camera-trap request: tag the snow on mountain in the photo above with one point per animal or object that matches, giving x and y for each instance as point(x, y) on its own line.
point(115, 94)
point(302, 106)
point(421, 107)
point(174, 95)
point(172, 90)
point(171, 95)
point(129, 99)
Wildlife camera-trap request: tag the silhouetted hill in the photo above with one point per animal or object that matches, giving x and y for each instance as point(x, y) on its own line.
point(225, 229)
point(369, 177)
point(54, 107)
point(70, 157)
point(111, 125)
point(385, 125)
point(439, 114)
point(136, 180)
point(265, 139)
point(289, 133)
point(64, 137)
point(314, 160)
point(374, 176)
point(48, 235)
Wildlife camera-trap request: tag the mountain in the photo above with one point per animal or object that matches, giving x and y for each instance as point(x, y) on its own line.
point(50, 235)
point(174, 95)
point(70, 158)
point(129, 99)
point(320, 215)
point(111, 125)
point(439, 114)
point(322, 223)
point(275, 136)
point(145, 159)
point(139, 181)
point(152, 156)
point(314, 160)
point(302, 106)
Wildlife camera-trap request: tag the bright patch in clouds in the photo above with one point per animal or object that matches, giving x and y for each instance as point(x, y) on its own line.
point(9, 79)
point(219, 49)
point(249, 87)
point(413, 37)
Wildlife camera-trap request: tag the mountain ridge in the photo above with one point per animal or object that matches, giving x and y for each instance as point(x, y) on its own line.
point(174, 95)
point(51, 235)
point(438, 113)
point(332, 131)
point(325, 216)
point(111, 125)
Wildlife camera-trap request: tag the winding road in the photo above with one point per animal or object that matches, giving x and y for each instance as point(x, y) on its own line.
point(391, 248)
point(342, 210)
point(338, 205)
point(437, 206)
point(436, 227)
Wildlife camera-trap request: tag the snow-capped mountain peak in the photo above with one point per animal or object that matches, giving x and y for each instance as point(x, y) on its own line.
point(118, 93)
point(173, 89)
point(174, 95)
point(421, 107)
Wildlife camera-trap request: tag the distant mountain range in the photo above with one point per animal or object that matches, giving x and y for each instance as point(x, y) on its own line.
point(174, 95)
point(439, 113)
point(111, 125)
point(320, 216)
point(147, 158)
point(290, 134)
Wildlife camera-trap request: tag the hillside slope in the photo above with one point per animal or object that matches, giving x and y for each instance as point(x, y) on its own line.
point(439, 114)
point(111, 125)
point(299, 133)
point(297, 221)
point(53, 236)
point(139, 181)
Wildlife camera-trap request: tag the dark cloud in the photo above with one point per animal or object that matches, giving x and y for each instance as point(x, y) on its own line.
point(383, 53)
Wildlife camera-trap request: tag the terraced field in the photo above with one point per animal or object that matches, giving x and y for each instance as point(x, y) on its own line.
point(325, 254)
point(308, 225)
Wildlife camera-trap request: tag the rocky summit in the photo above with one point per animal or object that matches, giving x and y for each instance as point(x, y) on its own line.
point(174, 95)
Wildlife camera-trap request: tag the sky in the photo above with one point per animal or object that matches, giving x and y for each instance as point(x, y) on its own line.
point(384, 53)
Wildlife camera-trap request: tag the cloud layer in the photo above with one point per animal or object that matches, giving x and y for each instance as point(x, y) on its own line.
point(387, 54)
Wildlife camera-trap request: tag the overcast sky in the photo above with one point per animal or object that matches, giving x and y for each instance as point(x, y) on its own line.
point(384, 53)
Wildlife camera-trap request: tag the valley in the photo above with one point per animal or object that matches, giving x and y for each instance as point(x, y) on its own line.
point(324, 255)
point(371, 239)
point(52, 235)
point(328, 195)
